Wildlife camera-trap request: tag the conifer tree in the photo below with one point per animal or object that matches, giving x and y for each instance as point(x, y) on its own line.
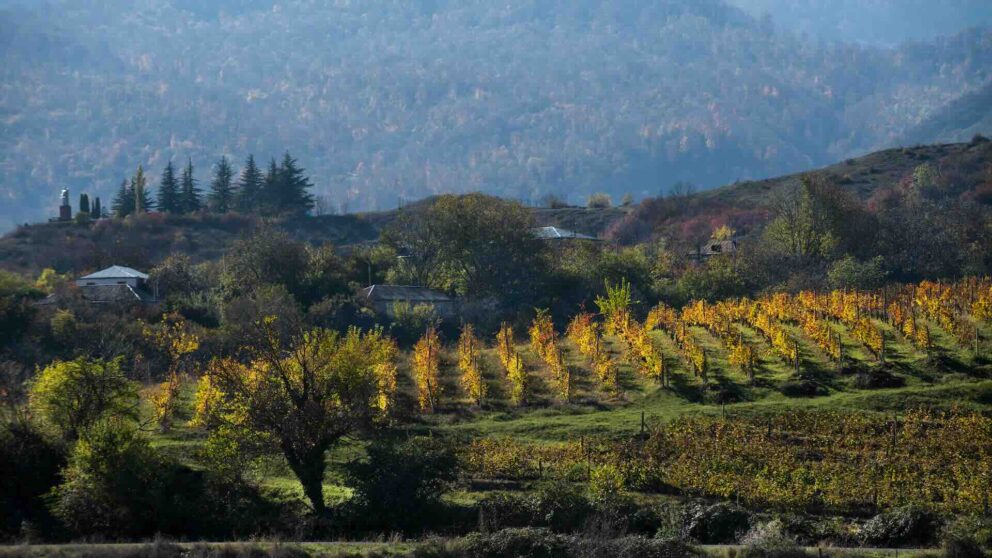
point(294, 185)
point(269, 200)
point(189, 194)
point(221, 197)
point(168, 190)
point(142, 198)
point(84, 203)
point(97, 211)
point(250, 187)
point(123, 203)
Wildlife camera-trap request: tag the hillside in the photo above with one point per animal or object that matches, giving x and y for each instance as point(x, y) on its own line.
point(383, 101)
point(963, 168)
point(146, 241)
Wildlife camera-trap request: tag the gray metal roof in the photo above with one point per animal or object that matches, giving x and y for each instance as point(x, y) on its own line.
point(405, 293)
point(555, 233)
point(116, 272)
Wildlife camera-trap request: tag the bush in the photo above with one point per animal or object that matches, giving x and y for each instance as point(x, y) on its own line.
point(904, 527)
point(399, 486)
point(519, 543)
point(801, 388)
point(599, 201)
point(877, 378)
point(962, 547)
point(117, 485)
point(557, 505)
point(770, 541)
point(29, 468)
point(717, 524)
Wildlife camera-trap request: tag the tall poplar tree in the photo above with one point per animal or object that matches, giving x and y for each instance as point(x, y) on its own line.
point(84, 203)
point(168, 190)
point(189, 194)
point(97, 211)
point(250, 187)
point(142, 198)
point(221, 197)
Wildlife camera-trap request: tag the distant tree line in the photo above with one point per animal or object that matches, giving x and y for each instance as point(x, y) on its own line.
point(282, 189)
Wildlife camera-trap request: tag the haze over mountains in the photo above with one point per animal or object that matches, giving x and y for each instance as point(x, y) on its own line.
point(383, 100)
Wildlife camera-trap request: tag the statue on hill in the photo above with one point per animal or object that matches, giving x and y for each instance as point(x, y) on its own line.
point(65, 210)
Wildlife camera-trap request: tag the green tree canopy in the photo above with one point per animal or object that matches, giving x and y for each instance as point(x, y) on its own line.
point(222, 193)
point(298, 399)
point(71, 396)
point(168, 190)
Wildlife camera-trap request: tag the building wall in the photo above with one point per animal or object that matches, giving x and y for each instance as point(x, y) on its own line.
point(133, 281)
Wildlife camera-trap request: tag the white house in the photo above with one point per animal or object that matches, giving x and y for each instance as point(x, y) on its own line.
point(116, 284)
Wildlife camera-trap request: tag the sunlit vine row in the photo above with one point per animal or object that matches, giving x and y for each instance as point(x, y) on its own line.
point(544, 341)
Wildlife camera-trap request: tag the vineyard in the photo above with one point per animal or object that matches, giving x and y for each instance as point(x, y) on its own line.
point(807, 344)
point(842, 462)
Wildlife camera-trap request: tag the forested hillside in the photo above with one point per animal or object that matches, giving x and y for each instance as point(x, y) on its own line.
point(383, 100)
point(873, 21)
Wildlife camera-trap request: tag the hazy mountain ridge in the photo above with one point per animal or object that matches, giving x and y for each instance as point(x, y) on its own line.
point(382, 100)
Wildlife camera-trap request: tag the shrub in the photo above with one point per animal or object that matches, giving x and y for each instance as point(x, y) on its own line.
point(29, 468)
point(902, 527)
point(770, 541)
point(116, 485)
point(962, 547)
point(599, 201)
point(877, 378)
point(801, 388)
point(557, 505)
point(520, 543)
point(399, 486)
point(72, 395)
point(717, 524)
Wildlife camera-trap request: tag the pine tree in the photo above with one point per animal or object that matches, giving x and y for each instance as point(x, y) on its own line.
point(97, 210)
point(294, 185)
point(221, 198)
point(84, 203)
point(168, 190)
point(142, 199)
point(269, 200)
point(123, 203)
point(250, 187)
point(189, 194)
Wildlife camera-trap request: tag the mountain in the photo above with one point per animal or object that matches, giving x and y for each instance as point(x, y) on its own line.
point(386, 100)
point(958, 121)
point(872, 21)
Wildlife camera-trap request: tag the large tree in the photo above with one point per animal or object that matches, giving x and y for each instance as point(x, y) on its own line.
point(189, 193)
point(168, 190)
point(299, 398)
point(221, 197)
point(250, 187)
point(475, 245)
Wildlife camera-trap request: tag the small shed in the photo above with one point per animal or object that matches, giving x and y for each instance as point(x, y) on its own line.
point(383, 299)
point(713, 248)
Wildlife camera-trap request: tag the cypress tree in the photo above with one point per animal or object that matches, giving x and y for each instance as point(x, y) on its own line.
point(189, 194)
point(97, 210)
point(123, 203)
point(84, 203)
point(142, 199)
point(294, 185)
point(221, 198)
point(250, 186)
point(168, 190)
